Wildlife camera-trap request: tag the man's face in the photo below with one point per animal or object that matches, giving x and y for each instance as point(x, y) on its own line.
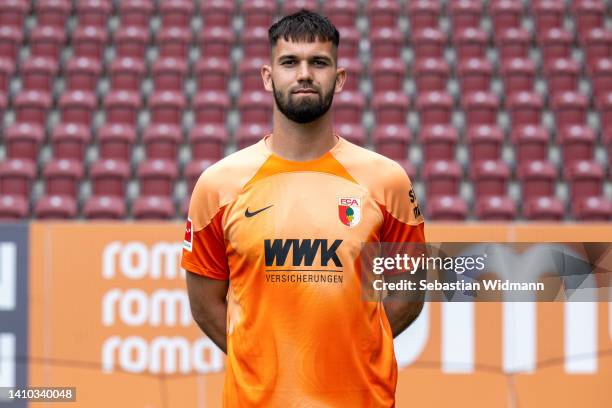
point(303, 78)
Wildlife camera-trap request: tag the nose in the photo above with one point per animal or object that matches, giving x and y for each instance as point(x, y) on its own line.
point(304, 73)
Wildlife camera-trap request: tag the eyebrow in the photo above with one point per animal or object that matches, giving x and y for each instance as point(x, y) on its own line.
point(313, 58)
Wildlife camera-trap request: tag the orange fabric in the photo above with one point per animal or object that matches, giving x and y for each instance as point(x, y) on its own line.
point(289, 234)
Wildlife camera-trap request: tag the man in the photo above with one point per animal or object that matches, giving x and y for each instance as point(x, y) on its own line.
point(273, 238)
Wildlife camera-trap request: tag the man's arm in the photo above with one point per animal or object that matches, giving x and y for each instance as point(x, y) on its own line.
point(207, 298)
point(402, 307)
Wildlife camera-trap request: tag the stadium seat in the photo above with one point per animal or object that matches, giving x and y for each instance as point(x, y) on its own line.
point(531, 142)
point(543, 209)
point(248, 134)
point(350, 42)
point(342, 13)
point(115, 141)
point(439, 142)
point(70, 140)
point(104, 208)
point(353, 132)
point(570, 108)
point(93, 12)
point(387, 74)
point(480, 108)
point(208, 141)
point(215, 42)
point(45, 41)
point(464, 14)
point(109, 177)
point(213, 74)
point(13, 207)
point(597, 209)
point(518, 75)
point(255, 43)
point(392, 141)
point(562, 76)
point(153, 208)
point(446, 208)
point(10, 41)
point(434, 108)
point(588, 14)
point(135, 13)
point(604, 105)
point(423, 14)
point(442, 177)
point(390, 107)
point(167, 107)
point(176, 13)
point(7, 69)
point(131, 42)
point(431, 74)
point(354, 70)
point(37, 74)
point(255, 107)
point(184, 207)
point(513, 43)
point(23, 141)
point(607, 139)
point(173, 42)
point(525, 108)
point(258, 13)
point(52, 13)
point(126, 74)
point(348, 107)
point(474, 74)
point(386, 42)
point(601, 77)
point(16, 177)
point(428, 43)
point(162, 141)
point(157, 177)
point(193, 171)
point(122, 107)
point(62, 177)
point(495, 208)
point(548, 14)
point(82, 74)
point(249, 72)
point(537, 179)
point(32, 107)
point(470, 43)
point(55, 207)
point(585, 179)
point(169, 74)
point(555, 43)
point(484, 142)
point(578, 143)
point(490, 178)
point(77, 107)
point(505, 14)
point(211, 107)
point(383, 13)
point(408, 167)
point(89, 41)
point(292, 6)
point(217, 13)
point(597, 45)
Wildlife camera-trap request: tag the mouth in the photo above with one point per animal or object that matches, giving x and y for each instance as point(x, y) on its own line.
point(305, 91)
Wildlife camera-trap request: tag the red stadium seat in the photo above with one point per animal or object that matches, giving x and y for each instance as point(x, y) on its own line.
point(434, 108)
point(109, 177)
point(548, 14)
point(213, 74)
point(70, 140)
point(52, 13)
point(442, 177)
point(131, 42)
point(578, 142)
point(258, 13)
point(588, 14)
point(555, 43)
point(543, 209)
point(505, 14)
point(423, 14)
point(77, 107)
point(474, 75)
point(45, 41)
point(292, 6)
point(531, 142)
point(490, 178)
point(136, 13)
point(13, 207)
point(122, 107)
point(62, 177)
point(348, 107)
point(82, 74)
point(193, 171)
point(570, 108)
point(104, 208)
point(428, 43)
point(89, 41)
point(353, 132)
point(439, 142)
point(342, 13)
point(480, 108)
point(495, 208)
point(216, 42)
point(10, 41)
point(37, 74)
point(390, 107)
point(585, 179)
point(169, 74)
point(32, 107)
point(465, 14)
point(249, 72)
point(23, 141)
point(513, 43)
point(157, 177)
point(350, 42)
point(604, 105)
point(173, 42)
point(176, 13)
point(208, 141)
point(7, 69)
point(388, 74)
point(431, 74)
point(55, 207)
point(471, 43)
point(184, 207)
point(153, 208)
point(562, 76)
point(607, 137)
point(115, 141)
point(386, 42)
point(525, 108)
point(354, 70)
point(217, 13)
point(383, 13)
point(162, 141)
point(597, 45)
point(518, 75)
point(598, 209)
point(126, 74)
point(16, 177)
point(255, 107)
point(485, 143)
point(248, 134)
point(601, 77)
point(255, 43)
point(93, 12)
point(537, 179)
point(212, 107)
point(167, 107)
point(446, 208)
point(392, 141)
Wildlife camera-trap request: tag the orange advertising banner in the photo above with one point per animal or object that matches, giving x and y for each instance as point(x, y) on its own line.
point(109, 315)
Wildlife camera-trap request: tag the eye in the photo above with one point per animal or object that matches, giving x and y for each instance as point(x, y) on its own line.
point(288, 63)
point(320, 63)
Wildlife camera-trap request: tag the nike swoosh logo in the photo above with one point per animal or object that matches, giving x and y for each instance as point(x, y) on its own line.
point(249, 214)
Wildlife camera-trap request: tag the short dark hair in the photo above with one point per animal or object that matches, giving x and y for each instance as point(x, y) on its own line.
point(306, 26)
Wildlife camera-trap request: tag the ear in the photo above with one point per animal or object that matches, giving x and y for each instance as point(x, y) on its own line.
point(340, 79)
point(266, 76)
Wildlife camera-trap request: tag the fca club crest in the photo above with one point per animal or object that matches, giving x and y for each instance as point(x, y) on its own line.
point(349, 211)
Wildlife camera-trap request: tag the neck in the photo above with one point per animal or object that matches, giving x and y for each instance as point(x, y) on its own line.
point(301, 142)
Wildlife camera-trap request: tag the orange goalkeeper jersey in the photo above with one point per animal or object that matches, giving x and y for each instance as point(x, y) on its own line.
point(287, 235)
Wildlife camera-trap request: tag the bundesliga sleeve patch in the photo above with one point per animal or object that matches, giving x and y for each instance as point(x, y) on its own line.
point(188, 240)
